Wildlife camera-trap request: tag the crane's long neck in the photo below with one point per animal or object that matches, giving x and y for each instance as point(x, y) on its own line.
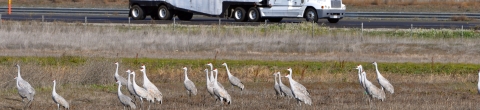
point(216, 76)
point(128, 78)
point(18, 67)
point(279, 78)
point(133, 78)
point(206, 73)
point(275, 75)
point(54, 91)
point(145, 79)
point(376, 70)
point(228, 71)
point(186, 77)
point(212, 78)
point(116, 71)
point(119, 92)
point(478, 78)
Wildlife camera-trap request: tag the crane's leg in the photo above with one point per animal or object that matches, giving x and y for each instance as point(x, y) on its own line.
point(58, 106)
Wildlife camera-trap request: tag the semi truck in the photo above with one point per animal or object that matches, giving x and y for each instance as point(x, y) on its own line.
point(239, 10)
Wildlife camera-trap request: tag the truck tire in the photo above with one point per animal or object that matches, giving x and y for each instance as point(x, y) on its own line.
point(164, 13)
point(184, 15)
point(333, 20)
point(311, 15)
point(137, 13)
point(239, 14)
point(275, 19)
point(254, 14)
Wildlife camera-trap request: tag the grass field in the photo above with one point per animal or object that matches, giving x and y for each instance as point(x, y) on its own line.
point(432, 69)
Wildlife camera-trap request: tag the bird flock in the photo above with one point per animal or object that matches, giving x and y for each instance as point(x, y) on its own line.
point(149, 92)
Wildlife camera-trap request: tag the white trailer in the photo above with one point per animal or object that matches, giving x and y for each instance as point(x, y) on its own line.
point(239, 10)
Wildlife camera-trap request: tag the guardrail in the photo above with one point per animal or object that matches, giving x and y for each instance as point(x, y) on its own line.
point(348, 14)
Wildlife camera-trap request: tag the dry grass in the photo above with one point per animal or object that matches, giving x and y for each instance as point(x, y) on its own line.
point(328, 91)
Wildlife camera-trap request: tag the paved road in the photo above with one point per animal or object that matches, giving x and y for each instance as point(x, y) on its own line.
point(348, 23)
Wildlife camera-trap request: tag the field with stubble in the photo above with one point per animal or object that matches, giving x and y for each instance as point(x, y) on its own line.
point(429, 68)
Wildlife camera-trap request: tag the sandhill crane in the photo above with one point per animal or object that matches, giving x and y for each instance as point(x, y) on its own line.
point(130, 86)
point(59, 99)
point(298, 90)
point(234, 80)
point(478, 85)
point(142, 93)
point(220, 92)
point(371, 89)
point(25, 90)
point(360, 69)
point(189, 85)
point(212, 77)
point(209, 84)
point(383, 82)
point(276, 87)
point(150, 87)
point(118, 77)
point(125, 100)
point(284, 89)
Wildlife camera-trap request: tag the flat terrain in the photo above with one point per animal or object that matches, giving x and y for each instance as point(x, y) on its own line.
point(443, 6)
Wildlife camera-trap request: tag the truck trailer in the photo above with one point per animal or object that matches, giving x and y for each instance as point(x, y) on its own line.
point(239, 10)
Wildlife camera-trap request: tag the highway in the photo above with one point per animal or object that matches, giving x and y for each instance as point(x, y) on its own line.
point(203, 20)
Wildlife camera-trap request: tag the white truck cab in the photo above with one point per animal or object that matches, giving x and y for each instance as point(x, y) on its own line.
point(239, 10)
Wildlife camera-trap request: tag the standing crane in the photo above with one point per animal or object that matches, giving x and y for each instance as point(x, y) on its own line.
point(211, 75)
point(284, 89)
point(360, 69)
point(125, 100)
point(276, 87)
point(383, 81)
point(371, 89)
point(234, 80)
point(209, 84)
point(59, 99)
point(142, 93)
point(118, 77)
point(189, 85)
point(130, 86)
point(298, 90)
point(150, 87)
point(25, 90)
point(221, 93)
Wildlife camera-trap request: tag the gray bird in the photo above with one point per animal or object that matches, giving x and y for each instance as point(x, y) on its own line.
point(209, 84)
point(221, 93)
point(125, 100)
point(212, 76)
point(59, 99)
point(298, 90)
point(150, 87)
point(130, 87)
point(372, 90)
point(189, 85)
point(283, 88)
point(234, 80)
point(383, 81)
point(25, 90)
point(142, 93)
point(118, 77)
point(276, 87)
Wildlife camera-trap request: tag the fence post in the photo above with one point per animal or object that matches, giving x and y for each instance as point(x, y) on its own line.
point(86, 20)
point(265, 27)
point(43, 18)
point(173, 23)
point(219, 21)
point(411, 30)
point(361, 36)
point(1, 21)
point(462, 31)
point(313, 22)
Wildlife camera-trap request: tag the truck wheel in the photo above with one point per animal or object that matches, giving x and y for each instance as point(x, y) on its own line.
point(184, 15)
point(253, 15)
point(137, 13)
point(311, 15)
point(275, 19)
point(239, 14)
point(333, 20)
point(164, 13)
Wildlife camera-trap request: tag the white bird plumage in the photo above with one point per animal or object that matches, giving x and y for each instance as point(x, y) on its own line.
point(130, 86)
point(118, 77)
point(125, 100)
point(189, 85)
point(209, 83)
point(299, 91)
point(283, 88)
point(139, 91)
point(220, 92)
point(212, 77)
point(371, 89)
point(234, 80)
point(360, 69)
point(383, 81)
point(59, 100)
point(25, 90)
point(150, 87)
